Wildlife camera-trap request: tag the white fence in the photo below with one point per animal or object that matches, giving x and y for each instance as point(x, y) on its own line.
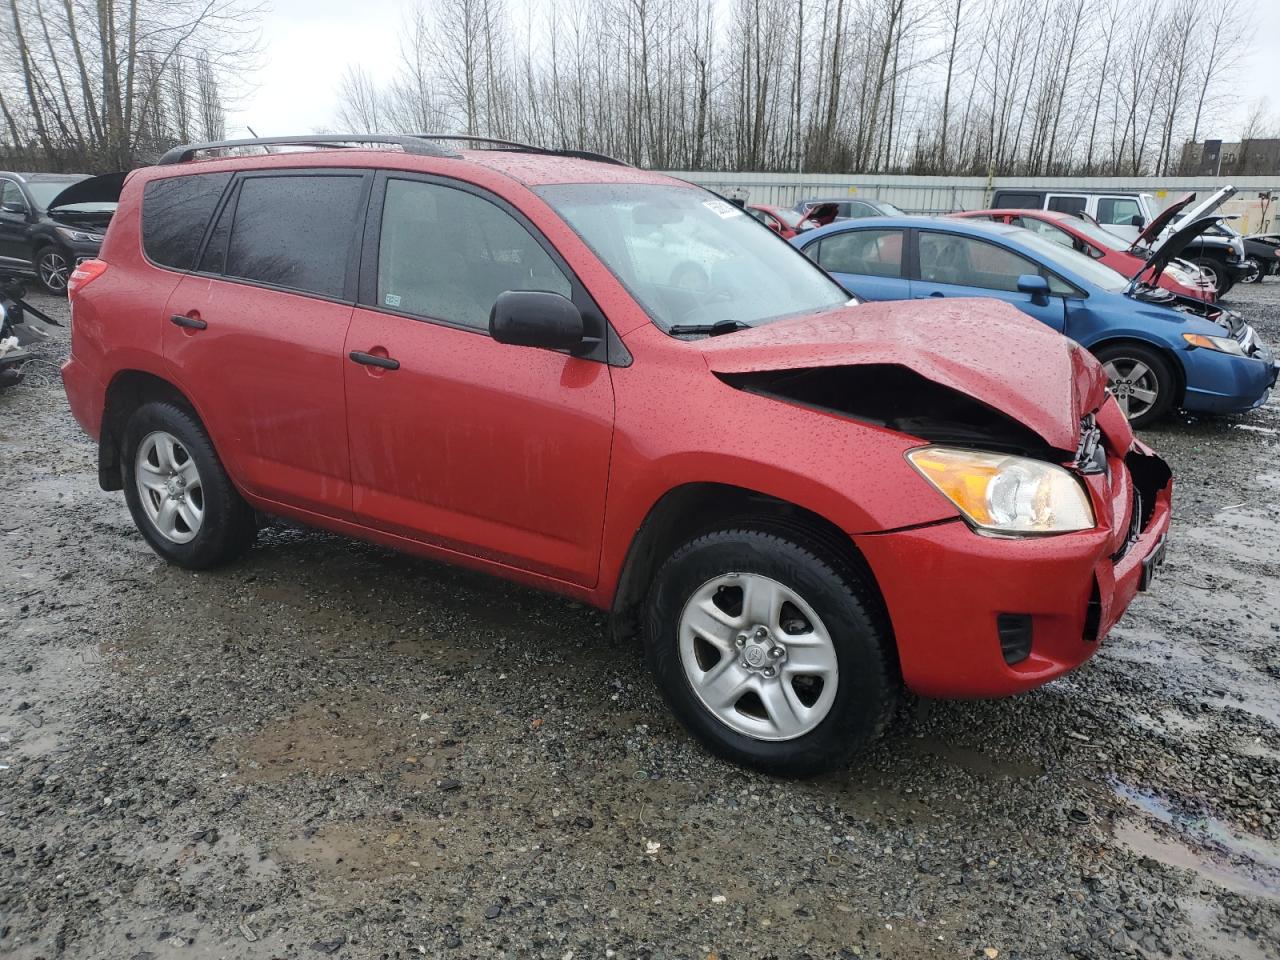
point(947, 194)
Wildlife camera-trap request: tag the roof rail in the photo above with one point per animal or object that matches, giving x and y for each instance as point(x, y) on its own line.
point(517, 147)
point(409, 143)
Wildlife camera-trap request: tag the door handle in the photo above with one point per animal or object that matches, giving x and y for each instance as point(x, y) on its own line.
point(937, 293)
point(190, 323)
point(372, 360)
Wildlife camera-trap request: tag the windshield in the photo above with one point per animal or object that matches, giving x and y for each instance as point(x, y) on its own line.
point(43, 191)
point(1100, 235)
point(690, 258)
point(1080, 264)
point(789, 217)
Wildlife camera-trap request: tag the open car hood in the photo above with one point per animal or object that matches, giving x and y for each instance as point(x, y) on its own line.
point(985, 350)
point(1172, 246)
point(103, 189)
point(1161, 220)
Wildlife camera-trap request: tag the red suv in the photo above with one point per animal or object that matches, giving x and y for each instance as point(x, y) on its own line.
point(495, 358)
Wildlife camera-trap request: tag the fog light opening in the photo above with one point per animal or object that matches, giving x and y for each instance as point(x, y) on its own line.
point(1015, 636)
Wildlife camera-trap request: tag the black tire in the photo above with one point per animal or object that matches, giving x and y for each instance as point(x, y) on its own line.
point(53, 267)
point(1122, 354)
point(868, 682)
point(1256, 272)
point(228, 527)
point(1222, 281)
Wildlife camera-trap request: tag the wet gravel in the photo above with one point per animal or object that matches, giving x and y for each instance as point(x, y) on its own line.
point(330, 750)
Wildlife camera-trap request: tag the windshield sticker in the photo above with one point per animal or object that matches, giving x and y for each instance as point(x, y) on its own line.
point(391, 300)
point(721, 209)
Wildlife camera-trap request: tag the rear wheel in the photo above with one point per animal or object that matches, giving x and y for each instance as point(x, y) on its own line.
point(1253, 270)
point(181, 498)
point(769, 651)
point(1141, 381)
point(53, 267)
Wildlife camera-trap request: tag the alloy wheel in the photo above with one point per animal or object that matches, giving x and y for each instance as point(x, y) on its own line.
point(54, 268)
point(1134, 385)
point(758, 657)
point(169, 487)
point(1252, 270)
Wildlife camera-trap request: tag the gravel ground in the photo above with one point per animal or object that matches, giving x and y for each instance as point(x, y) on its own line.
point(329, 749)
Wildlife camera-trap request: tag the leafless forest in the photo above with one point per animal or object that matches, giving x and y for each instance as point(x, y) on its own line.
point(921, 86)
point(106, 84)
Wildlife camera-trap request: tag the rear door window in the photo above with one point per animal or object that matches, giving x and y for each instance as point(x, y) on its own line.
point(876, 253)
point(1006, 200)
point(1068, 203)
point(446, 254)
point(296, 232)
point(175, 213)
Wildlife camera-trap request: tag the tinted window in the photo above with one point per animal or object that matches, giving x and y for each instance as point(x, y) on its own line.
point(1019, 201)
point(1072, 205)
point(967, 262)
point(877, 253)
point(448, 254)
point(295, 232)
point(1122, 211)
point(175, 212)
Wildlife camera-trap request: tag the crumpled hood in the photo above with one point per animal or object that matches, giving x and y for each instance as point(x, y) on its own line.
point(986, 349)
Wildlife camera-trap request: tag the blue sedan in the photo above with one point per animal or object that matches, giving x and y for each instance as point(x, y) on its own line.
point(1160, 351)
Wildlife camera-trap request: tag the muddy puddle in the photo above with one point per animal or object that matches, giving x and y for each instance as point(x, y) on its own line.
point(1200, 843)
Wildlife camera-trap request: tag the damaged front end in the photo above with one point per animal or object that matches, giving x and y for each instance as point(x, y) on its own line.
point(1009, 416)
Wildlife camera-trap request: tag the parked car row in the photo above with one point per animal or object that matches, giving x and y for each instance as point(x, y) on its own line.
point(614, 385)
point(1162, 348)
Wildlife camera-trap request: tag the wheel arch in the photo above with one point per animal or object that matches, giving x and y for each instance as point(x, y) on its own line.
point(1170, 355)
point(128, 390)
point(695, 508)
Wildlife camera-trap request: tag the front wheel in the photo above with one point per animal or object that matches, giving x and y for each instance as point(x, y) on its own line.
point(770, 651)
point(53, 267)
point(1216, 272)
point(1141, 381)
point(1253, 272)
point(181, 498)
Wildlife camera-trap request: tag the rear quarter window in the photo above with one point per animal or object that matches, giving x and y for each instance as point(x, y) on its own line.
point(175, 213)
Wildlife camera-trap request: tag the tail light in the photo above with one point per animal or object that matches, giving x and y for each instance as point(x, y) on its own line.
point(86, 272)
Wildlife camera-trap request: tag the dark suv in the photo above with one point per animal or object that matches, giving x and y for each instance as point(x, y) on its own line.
point(51, 221)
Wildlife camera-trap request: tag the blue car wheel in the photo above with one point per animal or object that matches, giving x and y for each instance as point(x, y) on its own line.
point(1141, 380)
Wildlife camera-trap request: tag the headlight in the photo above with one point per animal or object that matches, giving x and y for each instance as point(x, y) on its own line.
point(1221, 344)
point(1180, 276)
point(1003, 494)
point(79, 236)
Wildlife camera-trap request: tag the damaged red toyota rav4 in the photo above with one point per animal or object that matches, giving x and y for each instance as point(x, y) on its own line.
point(616, 386)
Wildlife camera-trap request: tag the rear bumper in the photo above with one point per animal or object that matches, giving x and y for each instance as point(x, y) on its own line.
point(945, 588)
point(86, 396)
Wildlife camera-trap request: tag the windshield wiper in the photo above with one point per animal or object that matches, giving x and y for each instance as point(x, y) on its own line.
point(710, 329)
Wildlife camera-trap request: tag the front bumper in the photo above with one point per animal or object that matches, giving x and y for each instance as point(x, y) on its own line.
point(946, 588)
point(1224, 383)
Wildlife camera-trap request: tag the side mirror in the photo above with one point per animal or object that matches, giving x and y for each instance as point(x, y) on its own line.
point(532, 318)
point(1138, 221)
point(1036, 286)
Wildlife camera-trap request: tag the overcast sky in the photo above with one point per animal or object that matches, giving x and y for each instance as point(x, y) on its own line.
point(308, 43)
